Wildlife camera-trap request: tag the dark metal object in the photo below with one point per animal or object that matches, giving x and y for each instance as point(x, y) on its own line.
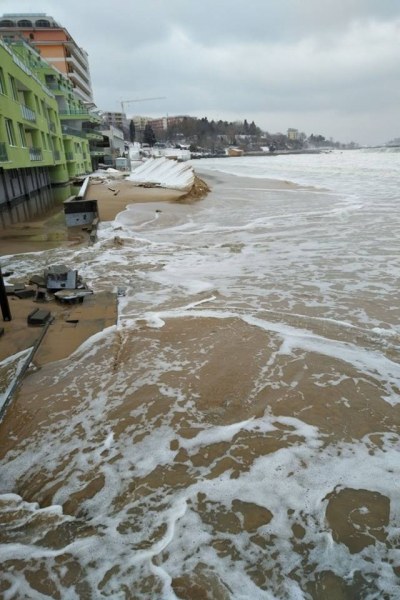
point(39, 317)
point(5, 307)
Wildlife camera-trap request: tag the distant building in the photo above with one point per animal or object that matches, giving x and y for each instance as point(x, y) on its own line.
point(54, 44)
point(116, 119)
point(293, 134)
point(113, 144)
point(159, 125)
point(177, 120)
point(141, 122)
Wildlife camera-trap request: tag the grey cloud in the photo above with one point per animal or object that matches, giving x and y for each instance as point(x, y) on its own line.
point(301, 61)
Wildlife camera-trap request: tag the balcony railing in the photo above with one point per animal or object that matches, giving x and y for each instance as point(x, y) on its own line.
point(35, 154)
point(3, 152)
point(28, 114)
point(69, 156)
point(75, 112)
point(58, 89)
point(97, 153)
point(93, 134)
point(82, 70)
point(56, 155)
point(71, 131)
point(81, 114)
point(52, 126)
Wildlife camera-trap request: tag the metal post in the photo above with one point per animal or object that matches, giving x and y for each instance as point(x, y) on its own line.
point(5, 308)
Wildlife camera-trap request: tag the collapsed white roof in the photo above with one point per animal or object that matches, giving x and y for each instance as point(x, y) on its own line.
point(164, 172)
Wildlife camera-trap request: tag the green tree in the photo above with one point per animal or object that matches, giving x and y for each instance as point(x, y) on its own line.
point(253, 129)
point(148, 135)
point(132, 131)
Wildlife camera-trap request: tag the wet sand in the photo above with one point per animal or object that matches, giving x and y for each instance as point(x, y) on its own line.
point(50, 231)
point(71, 324)
point(114, 196)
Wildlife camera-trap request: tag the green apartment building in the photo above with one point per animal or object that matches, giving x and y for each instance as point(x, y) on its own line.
point(45, 132)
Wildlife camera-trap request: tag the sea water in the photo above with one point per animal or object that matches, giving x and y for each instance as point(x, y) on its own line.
point(236, 434)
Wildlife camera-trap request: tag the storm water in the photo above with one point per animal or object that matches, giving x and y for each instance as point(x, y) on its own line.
point(236, 434)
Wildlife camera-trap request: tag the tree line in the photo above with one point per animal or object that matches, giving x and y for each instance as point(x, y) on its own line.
point(202, 131)
point(215, 136)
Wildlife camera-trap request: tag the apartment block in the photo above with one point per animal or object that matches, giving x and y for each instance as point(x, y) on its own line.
point(55, 44)
point(78, 124)
point(116, 119)
point(45, 132)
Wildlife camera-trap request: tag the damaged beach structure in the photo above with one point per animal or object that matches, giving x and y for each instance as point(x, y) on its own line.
point(40, 311)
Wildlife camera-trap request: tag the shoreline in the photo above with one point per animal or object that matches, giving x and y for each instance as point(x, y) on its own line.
point(76, 323)
point(113, 197)
point(73, 324)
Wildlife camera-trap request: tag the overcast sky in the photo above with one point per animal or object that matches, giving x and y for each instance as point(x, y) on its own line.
point(329, 67)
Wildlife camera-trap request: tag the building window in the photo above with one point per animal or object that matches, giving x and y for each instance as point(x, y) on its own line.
point(24, 23)
point(7, 23)
point(44, 141)
point(13, 87)
point(10, 132)
point(2, 83)
point(42, 23)
point(22, 134)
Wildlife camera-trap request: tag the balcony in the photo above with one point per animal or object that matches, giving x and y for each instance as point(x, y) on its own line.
point(77, 54)
point(69, 156)
point(3, 152)
point(91, 134)
point(35, 154)
point(71, 131)
point(81, 114)
point(59, 87)
point(56, 155)
point(71, 112)
point(81, 70)
point(28, 114)
point(52, 126)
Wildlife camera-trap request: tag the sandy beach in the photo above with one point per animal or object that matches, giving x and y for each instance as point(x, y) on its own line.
point(50, 231)
point(74, 324)
point(71, 324)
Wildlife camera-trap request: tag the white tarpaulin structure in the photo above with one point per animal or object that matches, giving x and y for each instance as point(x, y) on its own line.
point(164, 172)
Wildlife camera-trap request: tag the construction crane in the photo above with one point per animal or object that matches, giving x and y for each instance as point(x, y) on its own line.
point(123, 102)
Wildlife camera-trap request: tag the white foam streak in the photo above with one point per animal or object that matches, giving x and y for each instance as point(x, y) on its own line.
point(12, 366)
point(367, 362)
point(264, 425)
